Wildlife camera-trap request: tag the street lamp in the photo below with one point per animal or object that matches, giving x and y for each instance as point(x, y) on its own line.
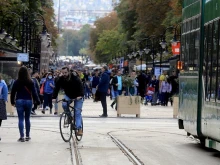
point(150, 48)
point(140, 52)
point(163, 44)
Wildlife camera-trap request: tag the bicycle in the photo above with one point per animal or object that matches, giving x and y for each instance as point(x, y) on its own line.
point(68, 123)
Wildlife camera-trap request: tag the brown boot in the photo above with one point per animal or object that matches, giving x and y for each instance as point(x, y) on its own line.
point(80, 132)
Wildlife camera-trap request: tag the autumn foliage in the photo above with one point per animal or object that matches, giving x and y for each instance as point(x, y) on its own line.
point(133, 21)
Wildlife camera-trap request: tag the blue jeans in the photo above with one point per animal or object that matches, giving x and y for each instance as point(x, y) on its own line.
point(24, 111)
point(78, 109)
point(112, 92)
point(56, 105)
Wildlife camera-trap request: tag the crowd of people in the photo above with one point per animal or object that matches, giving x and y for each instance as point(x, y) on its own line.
point(33, 90)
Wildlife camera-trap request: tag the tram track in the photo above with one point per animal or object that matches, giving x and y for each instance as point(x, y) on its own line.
point(75, 156)
point(133, 158)
point(126, 150)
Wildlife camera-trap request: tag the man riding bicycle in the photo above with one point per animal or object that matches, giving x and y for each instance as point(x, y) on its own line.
point(73, 88)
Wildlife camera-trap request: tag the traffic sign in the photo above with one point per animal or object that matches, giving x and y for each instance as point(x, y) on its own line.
point(23, 57)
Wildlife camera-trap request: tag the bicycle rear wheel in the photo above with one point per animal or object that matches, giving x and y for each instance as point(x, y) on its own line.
point(76, 130)
point(65, 127)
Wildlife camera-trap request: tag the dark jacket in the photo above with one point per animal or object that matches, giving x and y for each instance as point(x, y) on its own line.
point(72, 87)
point(104, 82)
point(114, 82)
point(24, 91)
point(36, 85)
point(95, 81)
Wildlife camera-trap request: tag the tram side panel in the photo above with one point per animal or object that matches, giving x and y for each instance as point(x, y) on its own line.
point(211, 74)
point(188, 99)
point(211, 121)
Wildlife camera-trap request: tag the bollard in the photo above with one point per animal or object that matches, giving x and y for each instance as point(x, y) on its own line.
point(175, 106)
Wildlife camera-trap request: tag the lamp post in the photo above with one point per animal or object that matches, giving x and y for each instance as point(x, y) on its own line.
point(163, 42)
point(150, 47)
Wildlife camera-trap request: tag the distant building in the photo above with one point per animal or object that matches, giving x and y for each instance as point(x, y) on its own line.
point(76, 13)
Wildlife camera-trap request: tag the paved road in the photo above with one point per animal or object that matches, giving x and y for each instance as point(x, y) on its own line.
point(152, 141)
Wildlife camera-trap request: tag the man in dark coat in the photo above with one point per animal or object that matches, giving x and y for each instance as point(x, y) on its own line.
point(142, 80)
point(103, 89)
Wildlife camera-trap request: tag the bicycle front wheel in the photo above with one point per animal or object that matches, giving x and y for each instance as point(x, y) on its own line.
point(65, 127)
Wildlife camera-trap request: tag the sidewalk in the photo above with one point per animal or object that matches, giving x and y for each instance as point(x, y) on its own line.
point(91, 109)
point(45, 147)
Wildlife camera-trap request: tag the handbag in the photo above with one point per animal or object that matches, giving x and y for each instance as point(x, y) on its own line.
point(42, 89)
point(97, 96)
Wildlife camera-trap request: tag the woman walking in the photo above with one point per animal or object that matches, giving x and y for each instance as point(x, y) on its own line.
point(165, 90)
point(3, 99)
point(49, 85)
point(22, 93)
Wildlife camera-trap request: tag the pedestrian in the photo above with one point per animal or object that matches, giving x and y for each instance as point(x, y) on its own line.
point(3, 99)
point(41, 96)
point(142, 83)
point(102, 88)
point(133, 90)
point(112, 95)
point(165, 90)
point(37, 87)
point(22, 93)
point(95, 82)
point(114, 83)
point(49, 86)
point(155, 84)
point(57, 75)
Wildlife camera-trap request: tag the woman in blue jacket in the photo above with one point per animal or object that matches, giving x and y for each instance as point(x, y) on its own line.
point(48, 92)
point(3, 99)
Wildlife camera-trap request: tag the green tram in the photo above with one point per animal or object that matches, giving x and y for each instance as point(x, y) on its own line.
point(199, 79)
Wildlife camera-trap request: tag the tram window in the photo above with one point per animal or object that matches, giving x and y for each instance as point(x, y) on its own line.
point(215, 59)
point(187, 40)
point(197, 22)
point(206, 61)
point(211, 70)
point(187, 26)
point(184, 27)
point(196, 45)
point(209, 57)
point(191, 50)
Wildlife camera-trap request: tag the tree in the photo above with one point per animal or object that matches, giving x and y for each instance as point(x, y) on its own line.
point(127, 18)
point(107, 23)
point(43, 7)
point(108, 45)
point(72, 41)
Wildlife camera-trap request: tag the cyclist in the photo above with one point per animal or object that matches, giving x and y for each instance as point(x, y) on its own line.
point(73, 89)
